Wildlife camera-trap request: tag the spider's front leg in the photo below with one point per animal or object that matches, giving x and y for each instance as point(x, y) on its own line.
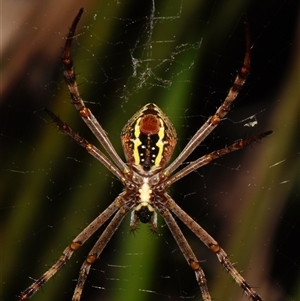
point(187, 252)
point(78, 241)
point(96, 251)
point(214, 247)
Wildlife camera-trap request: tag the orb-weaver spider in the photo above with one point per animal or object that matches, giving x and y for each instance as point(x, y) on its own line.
point(148, 139)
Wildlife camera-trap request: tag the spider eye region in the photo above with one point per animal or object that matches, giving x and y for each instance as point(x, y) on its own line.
point(144, 213)
point(148, 139)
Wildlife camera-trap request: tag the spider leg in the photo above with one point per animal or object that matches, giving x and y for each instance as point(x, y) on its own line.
point(90, 148)
point(213, 121)
point(214, 247)
point(97, 250)
point(79, 240)
point(86, 115)
point(187, 252)
point(194, 165)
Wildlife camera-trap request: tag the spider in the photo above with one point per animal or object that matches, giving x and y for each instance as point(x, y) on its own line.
point(148, 140)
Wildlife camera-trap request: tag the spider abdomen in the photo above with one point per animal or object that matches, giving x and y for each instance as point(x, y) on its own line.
point(148, 139)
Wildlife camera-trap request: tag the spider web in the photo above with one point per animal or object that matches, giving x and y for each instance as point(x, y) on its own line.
point(182, 55)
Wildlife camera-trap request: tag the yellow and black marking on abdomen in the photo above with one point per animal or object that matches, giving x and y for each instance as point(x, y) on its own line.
point(148, 139)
